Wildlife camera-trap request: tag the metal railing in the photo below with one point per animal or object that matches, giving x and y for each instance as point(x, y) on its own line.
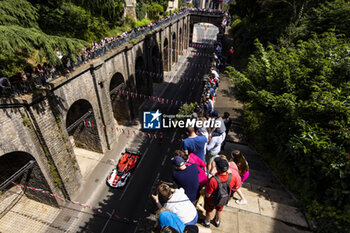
point(42, 79)
point(17, 174)
point(77, 122)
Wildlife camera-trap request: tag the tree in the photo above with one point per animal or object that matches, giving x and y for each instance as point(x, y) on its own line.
point(154, 10)
point(297, 97)
point(21, 37)
point(111, 10)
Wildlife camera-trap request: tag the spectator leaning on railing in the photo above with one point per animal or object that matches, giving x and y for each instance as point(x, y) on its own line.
point(24, 83)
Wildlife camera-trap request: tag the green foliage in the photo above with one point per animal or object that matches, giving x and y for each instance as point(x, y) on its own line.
point(141, 10)
point(82, 24)
point(187, 109)
point(330, 15)
point(18, 12)
point(24, 41)
point(129, 21)
point(110, 10)
point(298, 98)
point(236, 24)
point(154, 10)
point(142, 22)
point(133, 41)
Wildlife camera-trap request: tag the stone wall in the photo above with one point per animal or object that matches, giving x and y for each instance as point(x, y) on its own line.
point(129, 9)
point(37, 125)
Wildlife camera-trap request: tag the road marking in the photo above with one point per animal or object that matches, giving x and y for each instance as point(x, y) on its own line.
point(163, 162)
point(144, 155)
point(104, 227)
point(173, 137)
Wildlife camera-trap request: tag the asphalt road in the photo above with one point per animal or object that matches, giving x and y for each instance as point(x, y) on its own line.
point(134, 200)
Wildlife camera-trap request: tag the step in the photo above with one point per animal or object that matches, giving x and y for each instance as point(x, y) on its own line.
point(269, 194)
point(259, 205)
point(234, 220)
point(262, 175)
point(263, 183)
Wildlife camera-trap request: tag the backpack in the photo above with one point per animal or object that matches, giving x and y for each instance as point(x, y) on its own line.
point(221, 196)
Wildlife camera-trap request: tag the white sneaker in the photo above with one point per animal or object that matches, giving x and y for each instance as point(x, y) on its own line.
point(241, 202)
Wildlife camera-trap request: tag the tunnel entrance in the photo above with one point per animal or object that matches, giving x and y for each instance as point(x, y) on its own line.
point(143, 81)
point(180, 42)
point(157, 64)
point(166, 54)
point(82, 126)
point(120, 105)
point(22, 168)
point(174, 50)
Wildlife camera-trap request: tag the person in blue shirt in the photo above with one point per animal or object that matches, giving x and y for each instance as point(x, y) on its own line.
point(186, 177)
point(168, 218)
point(194, 143)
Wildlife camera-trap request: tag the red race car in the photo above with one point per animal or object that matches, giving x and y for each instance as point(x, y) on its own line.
point(126, 164)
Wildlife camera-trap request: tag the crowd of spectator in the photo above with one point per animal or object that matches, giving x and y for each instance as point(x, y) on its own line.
point(204, 179)
point(40, 75)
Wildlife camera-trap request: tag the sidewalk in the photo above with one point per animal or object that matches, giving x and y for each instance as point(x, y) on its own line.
point(270, 207)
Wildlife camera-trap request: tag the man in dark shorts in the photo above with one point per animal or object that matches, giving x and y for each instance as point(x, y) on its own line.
point(222, 167)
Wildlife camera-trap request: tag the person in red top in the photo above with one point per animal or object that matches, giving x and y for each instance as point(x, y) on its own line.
point(229, 55)
point(222, 167)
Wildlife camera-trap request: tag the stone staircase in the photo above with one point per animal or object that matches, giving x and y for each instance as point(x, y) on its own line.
point(270, 208)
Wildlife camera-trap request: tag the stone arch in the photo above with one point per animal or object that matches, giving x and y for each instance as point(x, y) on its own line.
point(191, 33)
point(142, 80)
point(174, 50)
point(156, 63)
point(12, 162)
point(166, 54)
point(180, 41)
point(120, 106)
point(185, 36)
point(82, 126)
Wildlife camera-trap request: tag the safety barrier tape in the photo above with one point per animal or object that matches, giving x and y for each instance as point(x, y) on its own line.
point(123, 219)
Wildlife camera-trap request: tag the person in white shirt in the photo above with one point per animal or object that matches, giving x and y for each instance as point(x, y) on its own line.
point(177, 202)
point(214, 72)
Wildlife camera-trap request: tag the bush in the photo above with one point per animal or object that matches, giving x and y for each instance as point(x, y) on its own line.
point(154, 10)
point(297, 98)
point(236, 24)
point(141, 10)
point(129, 21)
point(142, 22)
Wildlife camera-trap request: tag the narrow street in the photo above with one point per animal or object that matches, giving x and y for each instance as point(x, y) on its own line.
point(134, 200)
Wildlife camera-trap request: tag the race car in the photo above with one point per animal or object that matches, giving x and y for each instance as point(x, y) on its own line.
point(122, 172)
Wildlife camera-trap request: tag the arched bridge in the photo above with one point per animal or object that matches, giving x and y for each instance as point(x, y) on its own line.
point(43, 127)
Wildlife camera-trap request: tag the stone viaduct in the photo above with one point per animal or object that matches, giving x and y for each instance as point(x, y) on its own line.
point(45, 126)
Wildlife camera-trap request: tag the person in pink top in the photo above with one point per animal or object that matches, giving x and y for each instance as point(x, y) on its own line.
point(243, 169)
point(194, 159)
point(202, 177)
point(233, 168)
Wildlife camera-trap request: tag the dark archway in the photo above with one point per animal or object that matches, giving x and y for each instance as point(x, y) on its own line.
point(174, 52)
point(191, 33)
point(13, 162)
point(120, 105)
point(82, 126)
point(180, 41)
point(185, 36)
point(166, 54)
point(157, 67)
point(143, 80)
